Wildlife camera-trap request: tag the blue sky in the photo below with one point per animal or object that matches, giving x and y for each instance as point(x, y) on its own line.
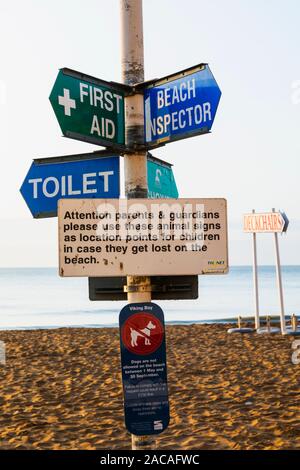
point(252, 155)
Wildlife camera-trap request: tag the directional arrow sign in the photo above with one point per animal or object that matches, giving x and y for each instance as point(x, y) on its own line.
point(89, 109)
point(50, 179)
point(180, 105)
point(161, 182)
point(266, 222)
point(286, 221)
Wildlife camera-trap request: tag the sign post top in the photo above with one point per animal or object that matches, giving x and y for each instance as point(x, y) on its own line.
point(177, 106)
point(89, 109)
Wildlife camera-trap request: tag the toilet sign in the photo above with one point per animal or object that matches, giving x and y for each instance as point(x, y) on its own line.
point(89, 109)
point(51, 179)
point(144, 371)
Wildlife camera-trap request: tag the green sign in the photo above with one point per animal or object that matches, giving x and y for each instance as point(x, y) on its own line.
point(89, 109)
point(161, 182)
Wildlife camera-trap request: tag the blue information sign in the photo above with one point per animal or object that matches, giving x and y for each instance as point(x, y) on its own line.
point(181, 105)
point(144, 369)
point(46, 183)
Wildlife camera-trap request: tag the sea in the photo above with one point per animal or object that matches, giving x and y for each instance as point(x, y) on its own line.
point(32, 298)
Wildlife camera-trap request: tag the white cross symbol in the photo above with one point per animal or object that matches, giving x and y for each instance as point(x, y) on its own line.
point(67, 102)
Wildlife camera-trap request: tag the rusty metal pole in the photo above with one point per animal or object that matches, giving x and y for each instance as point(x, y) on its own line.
point(255, 280)
point(279, 284)
point(138, 288)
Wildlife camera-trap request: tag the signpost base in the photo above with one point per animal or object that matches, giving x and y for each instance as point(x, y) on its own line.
point(268, 331)
point(291, 332)
point(139, 290)
point(293, 329)
point(240, 329)
point(143, 442)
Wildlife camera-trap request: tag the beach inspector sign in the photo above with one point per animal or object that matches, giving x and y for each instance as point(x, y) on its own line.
point(144, 368)
point(181, 105)
point(142, 237)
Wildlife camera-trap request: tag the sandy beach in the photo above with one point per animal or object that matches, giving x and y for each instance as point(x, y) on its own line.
point(61, 389)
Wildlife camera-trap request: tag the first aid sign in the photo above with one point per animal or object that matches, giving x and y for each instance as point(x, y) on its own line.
point(89, 109)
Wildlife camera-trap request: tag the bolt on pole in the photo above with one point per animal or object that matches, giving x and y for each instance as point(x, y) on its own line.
point(135, 162)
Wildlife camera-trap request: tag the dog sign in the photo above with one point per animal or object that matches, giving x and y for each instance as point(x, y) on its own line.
point(144, 371)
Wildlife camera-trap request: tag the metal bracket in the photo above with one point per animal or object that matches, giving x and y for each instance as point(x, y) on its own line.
point(137, 288)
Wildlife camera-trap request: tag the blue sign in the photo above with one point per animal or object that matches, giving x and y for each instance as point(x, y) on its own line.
point(161, 181)
point(144, 369)
point(46, 183)
point(181, 105)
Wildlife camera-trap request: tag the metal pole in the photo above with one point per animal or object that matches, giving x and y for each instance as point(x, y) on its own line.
point(255, 281)
point(279, 283)
point(138, 287)
point(268, 322)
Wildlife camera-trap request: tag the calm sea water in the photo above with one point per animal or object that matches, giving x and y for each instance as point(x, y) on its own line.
point(39, 298)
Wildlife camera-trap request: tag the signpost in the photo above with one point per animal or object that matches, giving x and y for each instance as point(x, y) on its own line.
point(136, 238)
point(51, 179)
point(267, 222)
point(89, 109)
point(161, 181)
point(181, 105)
point(255, 281)
point(142, 237)
point(94, 175)
point(144, 368)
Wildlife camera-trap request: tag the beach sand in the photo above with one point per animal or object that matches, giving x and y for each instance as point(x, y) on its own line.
point(61, 389)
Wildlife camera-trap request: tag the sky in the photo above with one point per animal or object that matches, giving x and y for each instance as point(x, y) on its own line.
point(252, 155)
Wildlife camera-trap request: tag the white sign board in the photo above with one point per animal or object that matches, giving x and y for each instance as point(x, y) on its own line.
point(119, 237)
point(266, 222)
